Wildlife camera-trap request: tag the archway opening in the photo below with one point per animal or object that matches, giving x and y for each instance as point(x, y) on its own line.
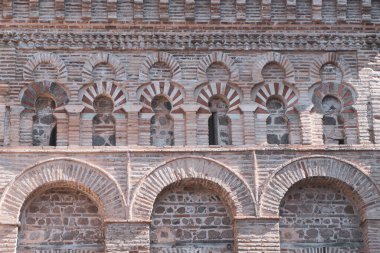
point(162, 123)
point(103, 123)
point(333, 122)
point(320, 215)
point(277, 122)
point(44, 122)
point(219, 124)
point(192, 216)
point(61, 219)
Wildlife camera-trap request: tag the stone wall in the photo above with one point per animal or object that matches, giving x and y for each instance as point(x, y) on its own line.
point(190, 217)
point(314, 215)
point(61, 219)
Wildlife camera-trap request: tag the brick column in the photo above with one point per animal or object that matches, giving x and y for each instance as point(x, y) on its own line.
point(248, 123)
point(138, 10)
point(59, 9)
point(266, 8)
point(86, 9)
point(189, 10)
point(291, 10)
point(164, 10)
point(133, 123)
point(179, 129)
point(125, 236)
point(317, 10)
point(356, 131)
point(15, 125)
point(306, 124)
point(8, 237)
point(190, 123)
point(341, 10)
point(257, 235)
point(3, 123)
point(371, 229)
point(241, 10)
point(7, 9)
point(366, 10)
point(261, 128)
point(74, 123)
point(215, 10)
point(121, 132)
point(112, 9)
point(33, 9)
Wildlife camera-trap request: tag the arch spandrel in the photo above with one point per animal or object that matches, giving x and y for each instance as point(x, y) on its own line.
point(238, 192)
point(323, 167)
point(62, 171)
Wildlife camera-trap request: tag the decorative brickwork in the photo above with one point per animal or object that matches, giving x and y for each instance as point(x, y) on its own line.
point(191, 125)
point(202, 170)
point(103, 58)
point(45, 58)
point(63, 171)
point(305, 168)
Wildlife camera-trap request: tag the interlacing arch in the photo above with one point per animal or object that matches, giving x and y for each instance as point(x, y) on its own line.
point(223, 89)
point(171, 90)
point(232, 187)
point(108, 88)
point(62, 171)
point(56, 91)
point(342, 91)
point(286, 92)
point(323, 167)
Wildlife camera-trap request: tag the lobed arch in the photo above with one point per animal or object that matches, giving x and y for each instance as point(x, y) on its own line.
point(224, 89)
point(57, 91)
point(171, 90)
point(118, 95)
point(326, 58)
point(288, 94)
point(217, 57)
point(62, 170)
point(196, 168)
point(264, 59)
point(156, 57)
point(45, 57)
point(329, 168)
point(345, 94)
point(111, 60)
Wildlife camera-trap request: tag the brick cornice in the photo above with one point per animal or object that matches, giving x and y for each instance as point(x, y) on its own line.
point(196, 39)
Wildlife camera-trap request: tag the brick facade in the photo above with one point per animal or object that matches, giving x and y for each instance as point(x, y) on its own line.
point(189, 126)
